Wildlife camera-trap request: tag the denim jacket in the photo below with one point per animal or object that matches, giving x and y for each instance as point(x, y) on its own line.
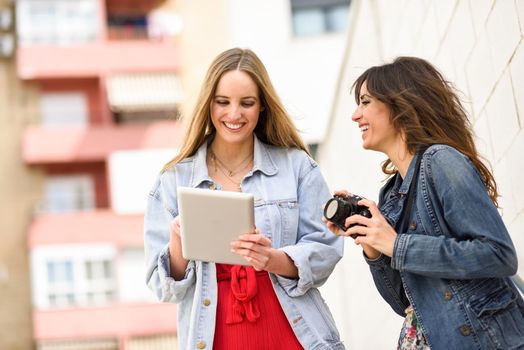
point(452, 264)
point(289, 192)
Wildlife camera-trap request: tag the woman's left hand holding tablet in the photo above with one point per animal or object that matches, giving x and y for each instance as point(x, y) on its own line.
point(257, 250)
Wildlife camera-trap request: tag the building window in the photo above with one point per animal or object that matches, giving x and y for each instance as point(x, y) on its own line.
point(60, 283)
point(64, 109)
point(100, 288)
point(68, 193)
point(127, 27)
point(56, 21)
point(313, 17)
point(73, 275)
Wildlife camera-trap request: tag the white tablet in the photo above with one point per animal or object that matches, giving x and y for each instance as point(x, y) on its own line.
point(210, 220)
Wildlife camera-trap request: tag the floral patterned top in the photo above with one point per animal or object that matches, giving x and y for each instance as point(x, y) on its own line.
point(411, 336)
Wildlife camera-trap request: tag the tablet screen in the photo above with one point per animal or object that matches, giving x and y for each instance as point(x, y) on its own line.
point(210, 220)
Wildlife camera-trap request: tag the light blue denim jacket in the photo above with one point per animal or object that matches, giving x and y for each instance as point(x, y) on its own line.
point(289, 193)
point(453, 264)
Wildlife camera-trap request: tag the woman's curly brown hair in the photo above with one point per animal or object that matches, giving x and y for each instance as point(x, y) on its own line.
point(426, 107)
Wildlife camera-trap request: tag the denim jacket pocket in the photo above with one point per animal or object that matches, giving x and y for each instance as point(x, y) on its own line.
point(278, 220)
point(500, 317)
point(289, 217)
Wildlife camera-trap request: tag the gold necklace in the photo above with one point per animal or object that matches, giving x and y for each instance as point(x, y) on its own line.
point(219, 165)
point(230, 173)
point(237, 184)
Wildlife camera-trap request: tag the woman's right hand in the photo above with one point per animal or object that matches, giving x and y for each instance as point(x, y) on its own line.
point(174, 228)
point(332, 227)
point(370, 252)
point(177, 262)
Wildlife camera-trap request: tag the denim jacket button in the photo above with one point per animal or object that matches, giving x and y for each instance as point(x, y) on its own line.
point(413, 225)
point(448, 295)
point(201, 344)
point(465, 330)
point(206, 302)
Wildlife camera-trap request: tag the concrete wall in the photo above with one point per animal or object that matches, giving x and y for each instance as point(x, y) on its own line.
point(478, 46)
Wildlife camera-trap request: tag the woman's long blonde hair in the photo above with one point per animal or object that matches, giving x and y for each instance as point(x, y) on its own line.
point(426, 107)
point(274, 126)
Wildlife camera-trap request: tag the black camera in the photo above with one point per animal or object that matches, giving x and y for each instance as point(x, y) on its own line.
point(339, 208)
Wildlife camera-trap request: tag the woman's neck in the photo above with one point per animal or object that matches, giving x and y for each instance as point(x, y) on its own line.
point(231, 154)
point(401, 157)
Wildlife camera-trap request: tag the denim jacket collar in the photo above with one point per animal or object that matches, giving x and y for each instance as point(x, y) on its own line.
point(404, 186)
point(262, 161)
point(393, 195)
point(200, 173)
point(396, 185)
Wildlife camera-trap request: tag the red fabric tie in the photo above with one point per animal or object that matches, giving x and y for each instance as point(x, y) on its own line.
point(243, 290)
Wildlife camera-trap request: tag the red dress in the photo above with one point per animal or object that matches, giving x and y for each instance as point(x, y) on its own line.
point(249, 315)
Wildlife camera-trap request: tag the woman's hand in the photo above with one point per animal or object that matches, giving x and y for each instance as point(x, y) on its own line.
point(257, 250)
point(374, 232)
point(331, 226)
point(177, 263)
point(174, 228)
point(370, 252)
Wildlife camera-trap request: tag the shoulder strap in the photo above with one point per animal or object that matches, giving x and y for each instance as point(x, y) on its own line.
point(409, 200)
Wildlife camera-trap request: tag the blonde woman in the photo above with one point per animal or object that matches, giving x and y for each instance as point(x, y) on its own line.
point(240, 138)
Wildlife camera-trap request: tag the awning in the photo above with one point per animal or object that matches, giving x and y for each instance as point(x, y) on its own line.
point(144, 92)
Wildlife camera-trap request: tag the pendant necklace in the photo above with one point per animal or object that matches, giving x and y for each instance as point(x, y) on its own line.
point(228, 173)
point(224, 168)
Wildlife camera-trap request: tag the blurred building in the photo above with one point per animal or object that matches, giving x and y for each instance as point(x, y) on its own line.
point(93, 90)
point(102, 123)
point(479, 47)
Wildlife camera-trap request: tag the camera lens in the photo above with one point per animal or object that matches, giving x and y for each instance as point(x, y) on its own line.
point(331, 208)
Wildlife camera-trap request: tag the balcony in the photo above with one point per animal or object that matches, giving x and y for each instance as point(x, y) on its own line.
point(94, 144)
point(121, 321)
point(89, 227)
point(97, 59)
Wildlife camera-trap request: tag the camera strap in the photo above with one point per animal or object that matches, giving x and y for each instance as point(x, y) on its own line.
point(412, 186)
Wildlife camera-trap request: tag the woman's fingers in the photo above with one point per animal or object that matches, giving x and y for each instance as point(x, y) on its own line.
point(255, 248)
point(343, 193)
point(255, 238)
point(372, 206)
point(174, 226)
point(333, 228)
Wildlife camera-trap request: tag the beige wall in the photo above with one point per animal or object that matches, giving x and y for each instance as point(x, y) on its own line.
point(478, 45)
point(17, 189)
point(203, 36)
